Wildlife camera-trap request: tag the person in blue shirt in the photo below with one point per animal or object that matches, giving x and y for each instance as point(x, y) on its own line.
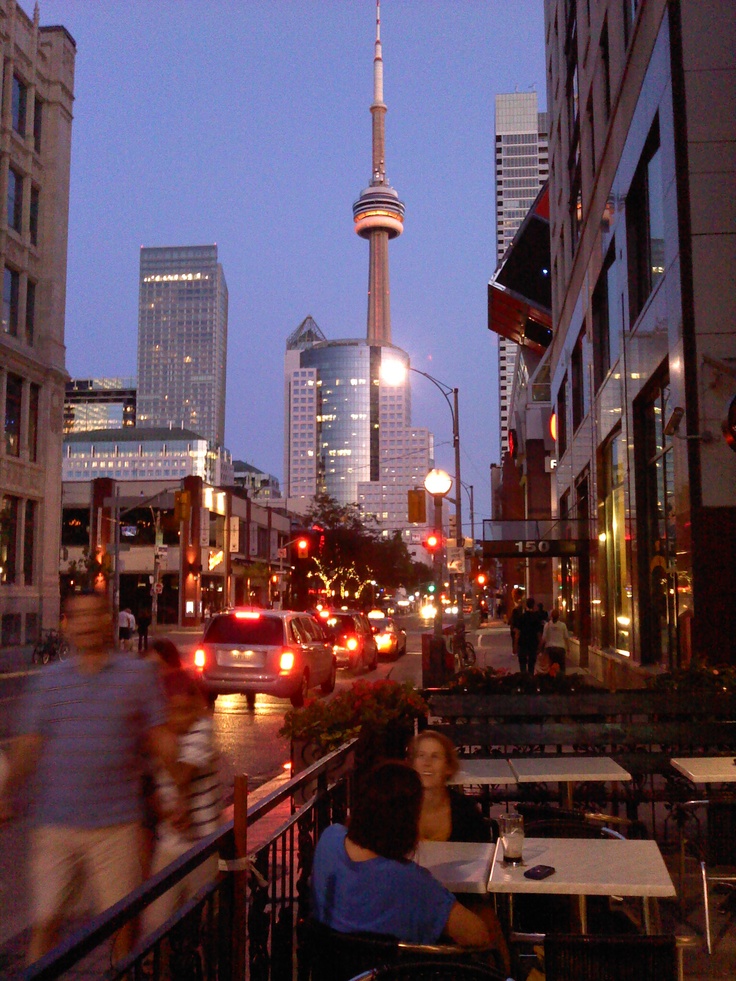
point(363, 878)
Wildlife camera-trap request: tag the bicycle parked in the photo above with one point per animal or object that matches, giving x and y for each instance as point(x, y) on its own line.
point(461, 648)
point(51, 646)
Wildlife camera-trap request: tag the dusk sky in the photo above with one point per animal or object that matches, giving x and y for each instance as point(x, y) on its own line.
point(247, 124)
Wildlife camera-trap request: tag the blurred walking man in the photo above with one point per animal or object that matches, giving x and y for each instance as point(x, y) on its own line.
point(82, 729)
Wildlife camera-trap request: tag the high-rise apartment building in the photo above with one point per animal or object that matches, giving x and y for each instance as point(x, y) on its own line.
point(182, 340)
point(35, 140)
point(522, 166)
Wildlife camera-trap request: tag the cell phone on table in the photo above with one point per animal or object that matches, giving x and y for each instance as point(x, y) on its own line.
point(539, 872)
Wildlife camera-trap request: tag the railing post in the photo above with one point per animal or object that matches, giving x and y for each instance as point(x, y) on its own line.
point(240, 891)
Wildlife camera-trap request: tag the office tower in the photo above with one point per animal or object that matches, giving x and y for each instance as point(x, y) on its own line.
point(182, 340)
point(521, 168)
point(37, 97)
point(99, 403)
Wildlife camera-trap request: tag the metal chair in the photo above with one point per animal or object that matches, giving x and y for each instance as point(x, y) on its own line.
point(718, 858)
point(451, 970)
point(335, 956)
point(610, 958)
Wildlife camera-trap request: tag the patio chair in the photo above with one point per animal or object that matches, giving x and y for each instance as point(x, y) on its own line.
point(335, 956)
point(610, 958)
point(718, 857)
point(451, 970)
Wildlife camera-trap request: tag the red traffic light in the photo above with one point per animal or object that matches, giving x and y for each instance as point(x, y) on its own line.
point(432, 542)
point(481, 579)
point(302, 547)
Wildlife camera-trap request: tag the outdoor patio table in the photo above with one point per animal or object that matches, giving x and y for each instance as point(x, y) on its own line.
point(490, 771)
point(461, 866)
point(588, 867)
point(706, 769)
point(567, 770)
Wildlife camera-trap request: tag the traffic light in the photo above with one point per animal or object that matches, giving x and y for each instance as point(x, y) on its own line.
point(481, 579)
point(431, 588)
point(433, 542)
point(302, 547)
point(417, 506)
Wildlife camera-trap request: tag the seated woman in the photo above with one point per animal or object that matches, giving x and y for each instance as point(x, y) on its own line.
point(363, 879)
point(447, 815)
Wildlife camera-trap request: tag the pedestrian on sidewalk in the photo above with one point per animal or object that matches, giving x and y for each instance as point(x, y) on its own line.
point(198, 778)
point(530, 634)
point(143, 622)
point(82, 727)
point(515, 623)
point(556, 640)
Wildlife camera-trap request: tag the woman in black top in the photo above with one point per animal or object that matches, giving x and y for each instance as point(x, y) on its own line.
point(447, 815)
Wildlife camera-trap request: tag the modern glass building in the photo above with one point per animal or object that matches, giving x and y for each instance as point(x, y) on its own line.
point(522, 166)
point(349, 432)
point(182, 340)
point(99, 403)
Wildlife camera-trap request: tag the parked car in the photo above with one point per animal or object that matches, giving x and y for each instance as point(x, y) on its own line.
point(270, 652)
point(352, 639)
point(390, 637)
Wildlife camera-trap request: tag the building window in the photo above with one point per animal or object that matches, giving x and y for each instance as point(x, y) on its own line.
point(29, 540)
point(616, 620)
point(645, 226)
point(37, 124)
point(607, 321)
point(577, 384)
point(33, 218)
point(35, 392)
point(30, 311)
point(11, 283)
point(20, 99)
point(562, 418)
point(655, 483)
point(8, 539)
point(15, 200)
point(13, 399)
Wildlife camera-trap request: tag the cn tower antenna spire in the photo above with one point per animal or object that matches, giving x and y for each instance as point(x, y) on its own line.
point(378, 214)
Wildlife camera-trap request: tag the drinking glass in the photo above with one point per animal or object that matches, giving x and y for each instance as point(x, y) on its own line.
point(511, 827)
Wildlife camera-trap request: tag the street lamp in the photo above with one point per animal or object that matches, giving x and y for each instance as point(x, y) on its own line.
point(393, 372)
point(438, 484)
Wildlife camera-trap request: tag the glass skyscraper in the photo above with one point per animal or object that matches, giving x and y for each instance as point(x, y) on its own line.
point(522, 166)
point(182, 340)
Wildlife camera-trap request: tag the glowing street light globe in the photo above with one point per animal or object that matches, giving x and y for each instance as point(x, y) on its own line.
point(437, 483)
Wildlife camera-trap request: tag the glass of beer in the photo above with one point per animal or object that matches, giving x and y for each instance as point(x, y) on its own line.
point(511, 827)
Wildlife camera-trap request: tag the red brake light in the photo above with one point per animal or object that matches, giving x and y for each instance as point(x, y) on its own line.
point(286, 662)
point(351, 643)
point(199, 658)
point(247, 615)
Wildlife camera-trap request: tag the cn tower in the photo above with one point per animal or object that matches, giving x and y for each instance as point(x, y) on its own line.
point(378, 213)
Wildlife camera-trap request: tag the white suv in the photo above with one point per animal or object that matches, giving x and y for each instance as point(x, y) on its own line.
point(270, 652)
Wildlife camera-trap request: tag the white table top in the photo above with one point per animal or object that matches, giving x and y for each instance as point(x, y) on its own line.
point(707, 769)
point(495, 771)
point(460, 866)
point(529, 769)
point(587, 867)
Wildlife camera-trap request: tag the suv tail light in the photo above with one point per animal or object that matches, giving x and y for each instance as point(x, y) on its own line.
point(352, 643)
point(199, 658)
point(286, 662)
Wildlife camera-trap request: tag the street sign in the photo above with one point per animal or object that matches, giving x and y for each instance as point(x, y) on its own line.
point(455, 558)
point(158, 588)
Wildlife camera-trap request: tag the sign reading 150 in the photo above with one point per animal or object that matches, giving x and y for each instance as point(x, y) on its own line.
point(532, 547)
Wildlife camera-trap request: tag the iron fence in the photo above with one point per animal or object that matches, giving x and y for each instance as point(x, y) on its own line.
point(247, 922)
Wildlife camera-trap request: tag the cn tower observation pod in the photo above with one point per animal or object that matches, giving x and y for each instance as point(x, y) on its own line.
point(379, 208)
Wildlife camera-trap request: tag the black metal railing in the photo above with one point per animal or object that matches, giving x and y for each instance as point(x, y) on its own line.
point(246, 922)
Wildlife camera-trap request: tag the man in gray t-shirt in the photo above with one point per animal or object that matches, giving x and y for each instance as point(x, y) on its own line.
point(84, 726)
